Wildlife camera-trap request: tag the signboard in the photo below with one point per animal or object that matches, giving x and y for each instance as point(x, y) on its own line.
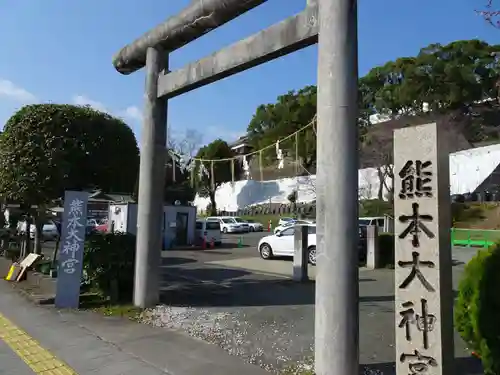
point(69, 273)
point(423, 295)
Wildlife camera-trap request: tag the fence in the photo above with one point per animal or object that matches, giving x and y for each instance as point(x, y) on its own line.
point(474, 237)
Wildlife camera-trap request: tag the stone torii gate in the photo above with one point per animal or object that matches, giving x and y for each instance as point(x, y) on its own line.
point(333, 25)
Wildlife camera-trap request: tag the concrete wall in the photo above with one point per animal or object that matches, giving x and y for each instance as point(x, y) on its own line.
point(126, 221)
point(171, 219)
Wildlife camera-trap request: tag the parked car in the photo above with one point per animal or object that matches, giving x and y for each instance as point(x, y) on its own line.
point(366, 221)
point(285, 220)
point(282, 243)
point(49, 230)
point(92, 222)
point(228, 224)
point(243, 223)
point(254, 226)
point(102, 227)
point(208, 229)
point(291, 223)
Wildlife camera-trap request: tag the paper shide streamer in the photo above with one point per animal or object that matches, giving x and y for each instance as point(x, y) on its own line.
point(279, 156)
point(186, 163)
point(232, 173)
point(246, 167)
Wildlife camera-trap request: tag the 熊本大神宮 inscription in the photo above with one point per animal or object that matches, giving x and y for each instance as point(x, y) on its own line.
point(73, 241)
point(72, 245)
point(422, 253)
point(415, 178)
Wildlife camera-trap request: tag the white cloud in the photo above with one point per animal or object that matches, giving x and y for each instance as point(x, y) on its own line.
point(131, 113)
point(214, 132)
point(10, 90)
point(83, 100)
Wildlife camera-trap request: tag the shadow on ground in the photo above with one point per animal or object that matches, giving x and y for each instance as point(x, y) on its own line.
point(171, 261)
point(463, 366)
point(220, 287)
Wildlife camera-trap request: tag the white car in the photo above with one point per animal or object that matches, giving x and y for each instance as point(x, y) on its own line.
point(282, 243)
point(243, 224)
point(49, 230)
point(254, 226)
point(286, 220)
point(228, 224)
point(208, 230)
point(288, 224)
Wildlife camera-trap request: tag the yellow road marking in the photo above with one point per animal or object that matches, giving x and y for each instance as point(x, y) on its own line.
point(40, 360)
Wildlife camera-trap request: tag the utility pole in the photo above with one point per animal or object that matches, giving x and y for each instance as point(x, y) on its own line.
point(337, 289)
point(151, 184)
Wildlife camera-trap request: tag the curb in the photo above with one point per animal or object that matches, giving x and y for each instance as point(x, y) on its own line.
point(34, 298)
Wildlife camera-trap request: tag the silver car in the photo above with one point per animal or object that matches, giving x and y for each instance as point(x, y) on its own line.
point(254, 226)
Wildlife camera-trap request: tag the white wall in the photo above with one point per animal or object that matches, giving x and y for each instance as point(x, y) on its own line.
point(468, 169)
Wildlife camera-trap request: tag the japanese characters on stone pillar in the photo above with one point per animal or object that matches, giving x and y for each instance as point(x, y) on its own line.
point(73, 227)
point(423, 295)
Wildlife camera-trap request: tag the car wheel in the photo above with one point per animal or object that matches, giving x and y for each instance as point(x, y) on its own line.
point(251, 229)
point(265, 251)
point(224, 230)
point(311, 255)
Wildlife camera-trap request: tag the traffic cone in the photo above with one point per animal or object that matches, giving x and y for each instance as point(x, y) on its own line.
point(204, 243)
point(212, 244)
point(269, 226)
point(240, 242)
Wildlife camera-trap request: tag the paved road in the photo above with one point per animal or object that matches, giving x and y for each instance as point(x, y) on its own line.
point(50, 342)
point(10, 363)
point(269, 320)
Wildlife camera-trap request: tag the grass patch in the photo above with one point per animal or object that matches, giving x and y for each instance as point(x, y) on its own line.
point(306, 367)
point(123, 311)
point(465, 215)
point(96, 303)
point(263, 219)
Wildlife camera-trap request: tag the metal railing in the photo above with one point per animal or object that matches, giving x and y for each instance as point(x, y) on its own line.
point(474, 237)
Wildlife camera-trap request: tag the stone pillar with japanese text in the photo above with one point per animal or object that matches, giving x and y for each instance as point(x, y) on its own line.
point(73, 226)
point(423, 266)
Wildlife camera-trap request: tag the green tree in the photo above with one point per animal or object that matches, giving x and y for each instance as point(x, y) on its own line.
point(46, 149)
point(291, 112)
point(446, 77)
point(206, 184)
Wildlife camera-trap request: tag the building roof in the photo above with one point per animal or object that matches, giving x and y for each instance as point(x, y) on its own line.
point(241, 141)
point(99, 195)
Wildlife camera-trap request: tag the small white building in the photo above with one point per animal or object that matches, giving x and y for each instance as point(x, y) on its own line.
point(179, 223)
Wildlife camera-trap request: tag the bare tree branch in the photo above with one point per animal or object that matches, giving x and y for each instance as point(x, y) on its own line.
point(187, 144)
point(490, 14)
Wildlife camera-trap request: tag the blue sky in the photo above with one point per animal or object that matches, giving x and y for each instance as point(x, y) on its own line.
point(60, 51)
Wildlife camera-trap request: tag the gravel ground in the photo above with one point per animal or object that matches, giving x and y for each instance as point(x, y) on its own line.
point(270, 322)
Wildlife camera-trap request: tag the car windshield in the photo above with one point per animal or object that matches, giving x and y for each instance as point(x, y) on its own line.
point(250, 221)
point(212, 225)
point(228, 221)
point(239, 220)
point(364, 222)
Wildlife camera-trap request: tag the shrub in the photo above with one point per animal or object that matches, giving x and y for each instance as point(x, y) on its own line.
point(468, 212)
point(374, 207)
point(477, 306)
point(386, 248)
point(108, 264)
